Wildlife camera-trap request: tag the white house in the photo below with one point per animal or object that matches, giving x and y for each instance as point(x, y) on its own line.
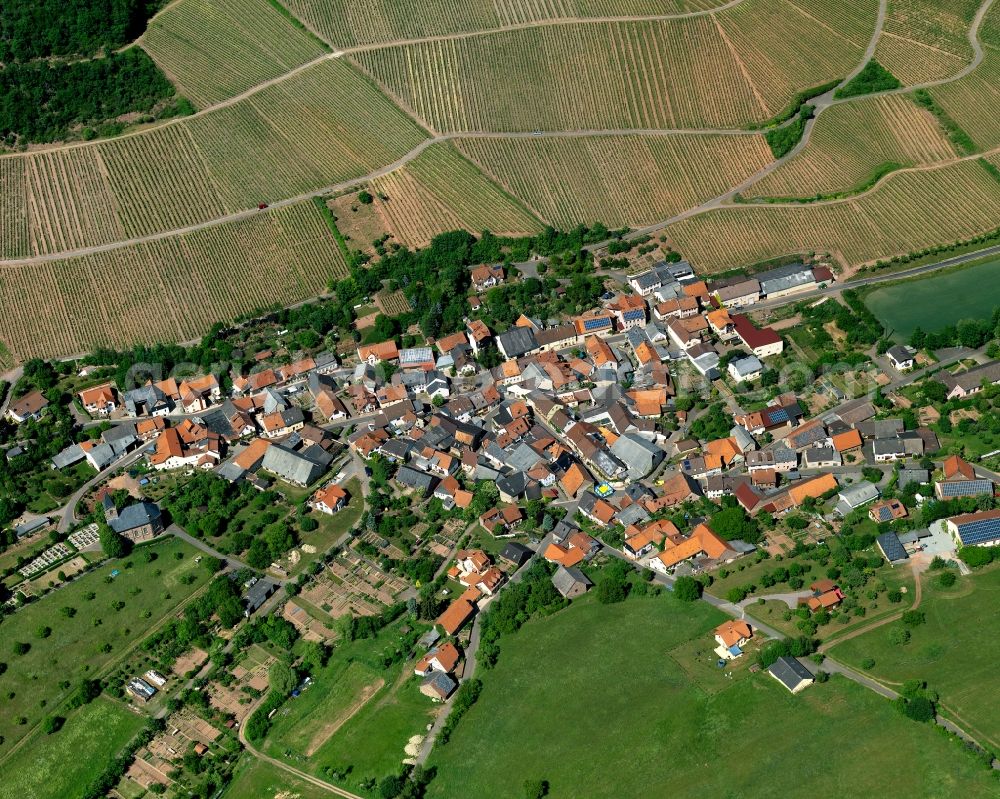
point(743, 369)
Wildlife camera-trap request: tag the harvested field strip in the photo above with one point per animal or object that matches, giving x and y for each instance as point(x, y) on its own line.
point(974, 101)
point(70, 202)
point(910, 211)
point(171, 289)
point(720, 71)
point(353, 22)
point(137, 166)
point(439, 191)
point(852, 141)
point(289, 139)
point(618, 180)
point(330, 728)
point(317, 129)
point(783, 59)
point(13, 206)
point(852, 19)
point(215, 49)
point(925, 40)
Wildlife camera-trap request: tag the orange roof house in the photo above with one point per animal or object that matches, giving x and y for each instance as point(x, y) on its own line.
point(573, 479)
point(719, 320)
point(99, 399)
point(382, 351)
point(645, 354)
point(814, 488)
point(448, 343)
point(846, 441)
point(639, 541)
point(696, 288)
point(602, 512)
point(956, 467)
point(329, 499)
point(826, 600)
point(649, 401)
point(441, 658)
point(599, 351)
point(251, 458)
point(733, 633)
point(564, 556)
point(887, 511)
point(455, 616)
point(725, 449)
point(702, 540)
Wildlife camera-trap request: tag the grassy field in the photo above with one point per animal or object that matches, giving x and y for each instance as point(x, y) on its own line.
point(74, 648)
point(255, 779)
point(356, 713)
point(215, 50)
point(907, 212)
point(924, 40)
point(439, 191)
point(354, 22)
point(618, 180)
point(198, 169)
point(60, 766)
point(616, 698)
point(954, 651)
point(725, 70)
point(937, 301)
point(172, 289)
point(854, 142)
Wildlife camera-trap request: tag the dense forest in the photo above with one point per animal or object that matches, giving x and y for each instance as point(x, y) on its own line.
point(31, 29)
point(44, 102)
point(64, 76)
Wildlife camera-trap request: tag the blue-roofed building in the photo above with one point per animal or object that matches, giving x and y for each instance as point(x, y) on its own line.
point(891, 548)
point(953, 489)
point(976, 529)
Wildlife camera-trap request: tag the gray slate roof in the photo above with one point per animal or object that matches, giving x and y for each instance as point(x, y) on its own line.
point(134, 516)
point(565, 579)
point(789, 672)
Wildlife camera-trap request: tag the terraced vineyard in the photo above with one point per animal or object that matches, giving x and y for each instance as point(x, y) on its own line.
point(926, 40)
point(441, 191)
point(853, 143)
point(655, 102)
point(974, 101)
point(911, 210)
point(215, 49)
point(724, 70)
point(201, 168)
point(347, 23)
point(168, 290)
point(619, 180)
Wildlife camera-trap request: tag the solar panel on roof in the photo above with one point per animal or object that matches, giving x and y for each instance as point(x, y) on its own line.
point(594, 324)
point(963, 488)
point(980, 531)
point(884, 514)
point(636, 314)
point(778, 415)
point(891, 547)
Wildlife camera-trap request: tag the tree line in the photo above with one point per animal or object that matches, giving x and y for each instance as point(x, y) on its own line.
point(31, 29)
point(43, 102)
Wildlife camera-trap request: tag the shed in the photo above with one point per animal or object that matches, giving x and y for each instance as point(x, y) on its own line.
point(790, 673)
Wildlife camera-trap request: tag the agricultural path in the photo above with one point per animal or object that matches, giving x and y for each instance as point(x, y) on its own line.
point(287, 768)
